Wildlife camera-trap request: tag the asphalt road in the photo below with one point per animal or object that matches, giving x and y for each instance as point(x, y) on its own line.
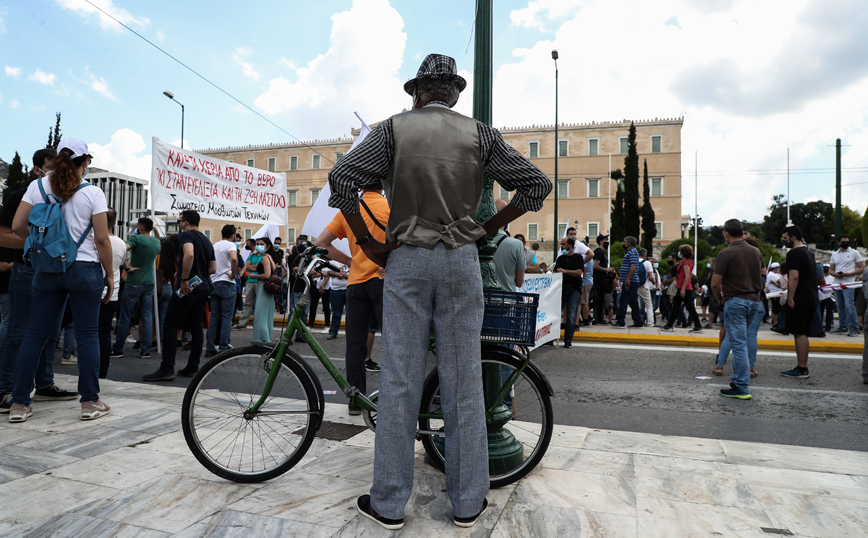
point(652, 389)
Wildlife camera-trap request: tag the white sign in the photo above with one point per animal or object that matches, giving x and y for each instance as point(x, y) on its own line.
point(183, 180)
point(548, 316)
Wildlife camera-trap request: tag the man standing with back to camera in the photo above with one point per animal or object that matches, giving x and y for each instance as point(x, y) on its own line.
point(432, 162)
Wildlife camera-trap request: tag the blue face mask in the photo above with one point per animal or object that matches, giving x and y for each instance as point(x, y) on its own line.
point(238, 244)
point(708, 265)
point(84, 174)
point(679, 255)
point(655, 265)
point(260, 249)
point(565, 251)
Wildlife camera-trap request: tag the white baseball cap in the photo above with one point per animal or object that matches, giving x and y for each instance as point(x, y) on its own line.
point(774, 265)
point(76, 146)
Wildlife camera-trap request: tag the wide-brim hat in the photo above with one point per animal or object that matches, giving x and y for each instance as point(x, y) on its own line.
point(437, 66)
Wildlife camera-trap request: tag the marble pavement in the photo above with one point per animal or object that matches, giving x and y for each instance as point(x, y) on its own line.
point(130, 474)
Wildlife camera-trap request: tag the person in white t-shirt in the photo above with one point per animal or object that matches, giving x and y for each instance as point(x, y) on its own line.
point(846, 263)
point(223, 295)
point(108, 309)
point(645, 291)
point(773, 283)
point(82, 283)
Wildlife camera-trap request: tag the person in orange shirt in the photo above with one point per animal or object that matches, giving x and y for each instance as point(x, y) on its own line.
point(364, 287)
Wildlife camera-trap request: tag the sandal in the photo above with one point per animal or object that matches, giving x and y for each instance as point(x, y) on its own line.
point(718, 370)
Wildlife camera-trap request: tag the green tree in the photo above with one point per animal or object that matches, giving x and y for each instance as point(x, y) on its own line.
point(753, 229)
point(649, 228)
point(714, 235)
point(18, 177)
point(619, 228)
point(850, 219)
point(631, 186)
point(815, 219)
point(865, 225)
point(54, 134)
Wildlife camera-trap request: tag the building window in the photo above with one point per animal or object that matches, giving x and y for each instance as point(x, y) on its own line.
point(504, 194)
point(316, 162)
point(251, 163)
point(338, 156)
point(231, 160)
point(272, 163)
point(532, 232)
point(625, 144)
point(208, 234)
point(293, 162)
point(314, 194)
point(659, 226)
point(593, 230)
point(290, 236)
point(593, 189)
point(293, 198)
point(533, 149)
point(563, 188)
point(562, 230)
point(593, 146)
point(563, 148)
point(656, 143)
point(656, 186)
point(248, 233)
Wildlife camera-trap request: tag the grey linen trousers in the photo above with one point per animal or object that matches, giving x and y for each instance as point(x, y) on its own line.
point(444, 287)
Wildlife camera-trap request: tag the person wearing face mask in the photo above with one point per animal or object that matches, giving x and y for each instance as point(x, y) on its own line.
point(250, 287)
point(685, 294)
point(278, 255)
point(846, 263)
point(603, 277)
point(222, 300)
point(263, 311)
point(630, 287)
point(196, 262)
point(802, 298)
point(569, 264)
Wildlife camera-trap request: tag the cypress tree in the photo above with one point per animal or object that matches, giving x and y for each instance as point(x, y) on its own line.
point(631, 185)
point(18, 177)
point(617, 232)
point(649, 228)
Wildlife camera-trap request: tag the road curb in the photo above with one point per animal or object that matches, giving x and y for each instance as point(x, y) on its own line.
point(817, 345)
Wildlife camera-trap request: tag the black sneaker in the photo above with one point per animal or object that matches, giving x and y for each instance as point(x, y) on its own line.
point(144, 355)
point(733, 393)
point(210, 352)
point(568, 344)
point(469, 521)
point(159, 375)
point(667, 328)
point(696, 330)
point(364, 507)
point(53, 393)
point(797, 373)
point(189, 371)
point(372, 366)
point(5, 402)
point(117, 355)
point(137, 345)
point(355, 411)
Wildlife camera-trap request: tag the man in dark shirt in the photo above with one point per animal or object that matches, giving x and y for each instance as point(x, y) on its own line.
point(802, 298)
point(570, 265)
point(20, 284)
point(736, 283)
point(603, 278)
point(187, 305)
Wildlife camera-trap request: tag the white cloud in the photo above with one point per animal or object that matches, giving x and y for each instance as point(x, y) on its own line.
point(323, 95)
point(100, 86)
point(123, 154)
point(14, 104)
point(247, 68)
point(3, 13)
point(634, 70)
point(88, 11)
point(13, 71)
point(289, 64)
point(160, 36)
point(42, 77)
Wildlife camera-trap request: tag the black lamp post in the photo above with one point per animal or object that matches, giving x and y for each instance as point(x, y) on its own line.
point(557, 150)
point(171, 96)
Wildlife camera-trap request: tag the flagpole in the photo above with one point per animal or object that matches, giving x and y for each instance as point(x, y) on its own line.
point(695, 210)
point(609, 211)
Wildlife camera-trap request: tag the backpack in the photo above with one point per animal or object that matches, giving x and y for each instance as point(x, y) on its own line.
point(50, 247)
point(643, 274)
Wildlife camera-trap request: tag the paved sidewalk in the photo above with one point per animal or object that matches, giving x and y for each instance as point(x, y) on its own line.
point(130, 474)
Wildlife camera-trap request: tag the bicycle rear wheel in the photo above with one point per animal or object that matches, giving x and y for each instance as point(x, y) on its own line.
point(531, 423)
point(245, 447)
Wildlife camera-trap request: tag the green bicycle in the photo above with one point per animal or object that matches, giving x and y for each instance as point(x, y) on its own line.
point(251, 414)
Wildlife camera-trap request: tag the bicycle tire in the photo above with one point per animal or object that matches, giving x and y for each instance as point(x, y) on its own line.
point(535, 432)
point(267, 444)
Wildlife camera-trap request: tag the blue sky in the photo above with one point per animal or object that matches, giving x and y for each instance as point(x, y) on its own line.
point(751, 79)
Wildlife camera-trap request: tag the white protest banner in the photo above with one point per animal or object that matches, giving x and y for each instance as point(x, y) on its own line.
point(548, 315)
point(183, 180)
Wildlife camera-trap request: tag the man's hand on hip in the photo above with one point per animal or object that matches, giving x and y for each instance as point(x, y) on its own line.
point(378, 252)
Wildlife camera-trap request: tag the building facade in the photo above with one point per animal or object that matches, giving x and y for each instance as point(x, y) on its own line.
point(126, 194)
point(585, 152)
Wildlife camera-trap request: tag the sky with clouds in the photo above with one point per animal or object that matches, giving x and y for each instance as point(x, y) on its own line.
point(751, 79)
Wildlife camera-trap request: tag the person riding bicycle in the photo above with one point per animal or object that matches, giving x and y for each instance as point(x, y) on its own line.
point(432, 162)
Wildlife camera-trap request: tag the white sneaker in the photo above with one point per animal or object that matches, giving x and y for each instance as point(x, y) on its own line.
point(92, 410)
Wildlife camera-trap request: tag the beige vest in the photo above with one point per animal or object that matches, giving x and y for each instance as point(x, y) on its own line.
point(436, 180)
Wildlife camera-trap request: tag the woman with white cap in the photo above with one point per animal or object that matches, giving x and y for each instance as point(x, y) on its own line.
point(82, 282)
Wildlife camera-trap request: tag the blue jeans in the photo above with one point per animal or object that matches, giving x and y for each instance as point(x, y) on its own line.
point(82, 284)
point(743, 320)
point(629, 297)
point(20, 284)
point(571, 301)
point(143, 296)
point(222, 311)
point(68, 340)
point(337, 298)
point(846, 301)
point(163, 305)
point(295, 298)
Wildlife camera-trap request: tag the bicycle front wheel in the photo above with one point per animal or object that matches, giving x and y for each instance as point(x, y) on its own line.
point(238, 445)
point(529, 403)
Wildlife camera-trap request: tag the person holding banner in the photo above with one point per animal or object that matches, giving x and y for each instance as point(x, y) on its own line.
point(846, 263)
point(433, 163)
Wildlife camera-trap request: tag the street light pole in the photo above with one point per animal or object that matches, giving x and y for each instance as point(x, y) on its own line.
point(171, 96)
point(557, 150)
